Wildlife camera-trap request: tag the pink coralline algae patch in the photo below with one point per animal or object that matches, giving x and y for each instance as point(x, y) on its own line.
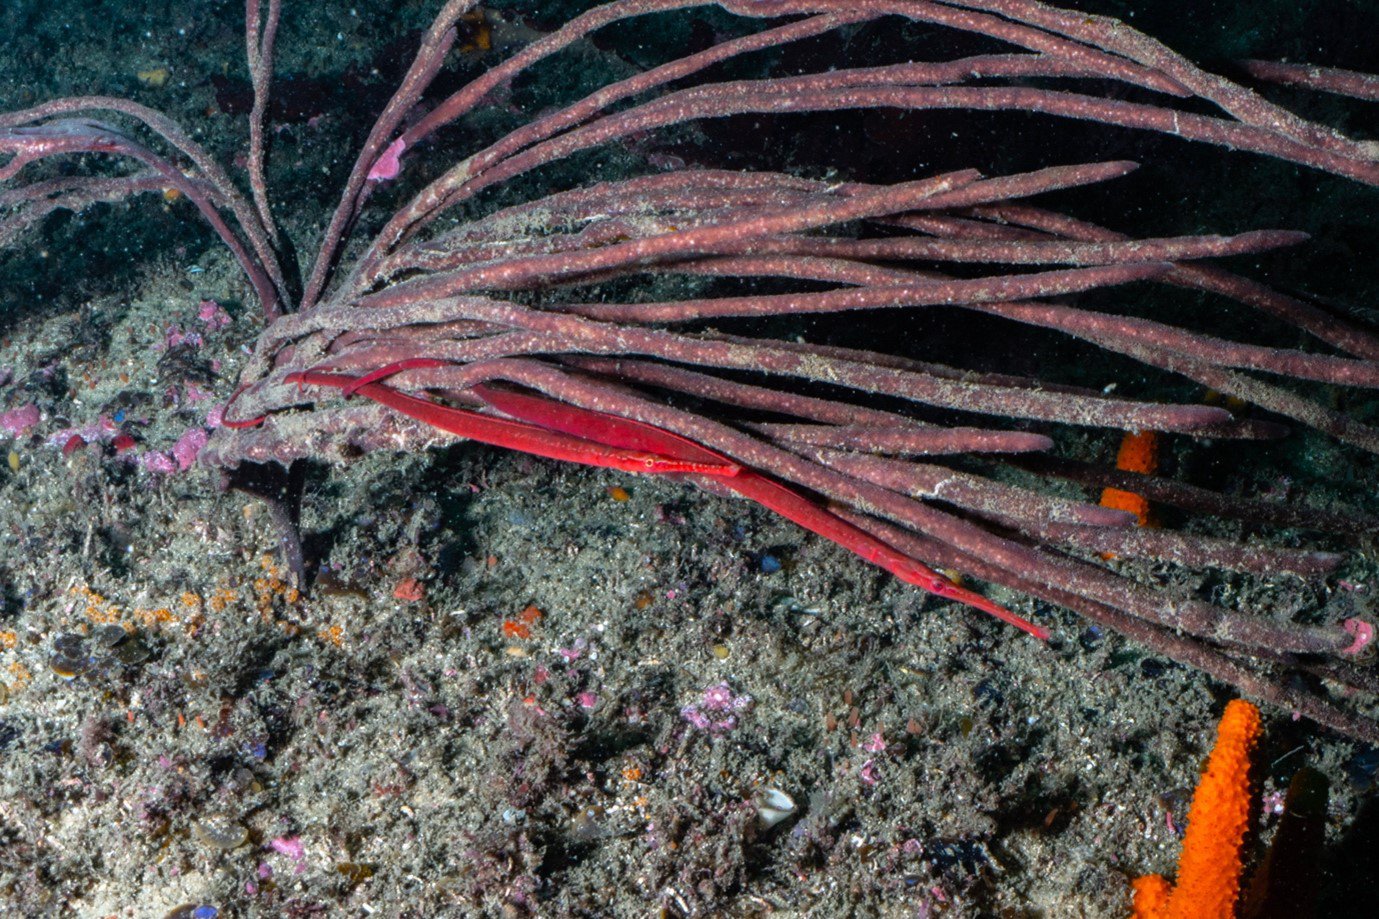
point(102, 430)
point(194, 393)
point(717, 711)
point(16, 421)
point(292, 847)
point(174, 336)
point(159, 462)
point(212, 315)
point(181, 457)
point(188, 446)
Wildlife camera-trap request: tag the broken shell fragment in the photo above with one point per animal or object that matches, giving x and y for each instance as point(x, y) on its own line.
point(773, 806)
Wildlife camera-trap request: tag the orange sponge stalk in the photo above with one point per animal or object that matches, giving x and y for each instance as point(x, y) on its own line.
point(1210, 867)
point(1139, 452)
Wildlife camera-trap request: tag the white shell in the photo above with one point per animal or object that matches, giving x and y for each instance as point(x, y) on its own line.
point(773, 806)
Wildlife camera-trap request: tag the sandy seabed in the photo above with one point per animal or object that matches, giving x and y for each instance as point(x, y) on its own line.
point(519, 688)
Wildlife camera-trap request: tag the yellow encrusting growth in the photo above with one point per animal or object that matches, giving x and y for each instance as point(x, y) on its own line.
point(1210, 867)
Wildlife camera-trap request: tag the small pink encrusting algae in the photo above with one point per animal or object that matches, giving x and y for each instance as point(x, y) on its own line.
point(174, 336)
point(292, 847)
point(102, 430)
point(717, 711)
point(181, 457)
point(188, 446)
point(194, 393)
point(212, 315)
point(17, 421)
point(159, 462)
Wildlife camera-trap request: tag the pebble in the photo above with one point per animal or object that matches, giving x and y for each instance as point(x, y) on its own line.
point(132, 652)
point(110, 643)
point(218, 831)
point(69, 644)
point(108, 636)
point(69, 668)
point(193, 911)
point(355, 873)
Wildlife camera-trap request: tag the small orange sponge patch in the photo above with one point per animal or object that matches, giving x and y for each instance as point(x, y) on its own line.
point(1139, 452)
point(1210, 867)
